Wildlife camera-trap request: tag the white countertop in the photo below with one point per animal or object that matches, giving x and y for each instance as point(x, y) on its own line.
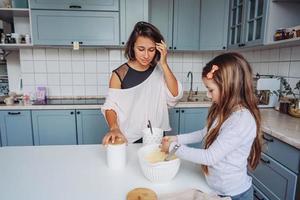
point(282, 126)
point(55, 107)
point(77, 172)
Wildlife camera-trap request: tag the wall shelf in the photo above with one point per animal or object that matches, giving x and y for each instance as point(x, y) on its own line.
point(7, 14)
point(14, 46)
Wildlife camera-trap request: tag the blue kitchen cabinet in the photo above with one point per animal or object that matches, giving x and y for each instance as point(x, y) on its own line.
point(53, 27)
point(112, 5)
point(277, 175)
point(131, 11)
point(174, 117)
point(16, 128)
point(54, 127)
point(214, 20)
point(247, 22)
point(192, 119)
point(178, 21)
point(185, 120)
point(91, 126)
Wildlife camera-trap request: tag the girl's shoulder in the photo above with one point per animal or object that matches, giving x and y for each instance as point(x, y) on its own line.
point(241, 117)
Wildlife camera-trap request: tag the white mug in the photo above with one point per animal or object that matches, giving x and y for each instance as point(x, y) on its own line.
point(152, 138)
point(116, 155)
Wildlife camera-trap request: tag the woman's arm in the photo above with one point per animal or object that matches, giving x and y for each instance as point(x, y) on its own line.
point(114, 130)
point(168, 74)
point(111, 116)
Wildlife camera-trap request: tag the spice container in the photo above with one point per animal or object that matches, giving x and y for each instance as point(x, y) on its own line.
point(280, 34)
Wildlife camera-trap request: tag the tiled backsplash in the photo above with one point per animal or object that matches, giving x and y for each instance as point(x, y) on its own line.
point(86, 72)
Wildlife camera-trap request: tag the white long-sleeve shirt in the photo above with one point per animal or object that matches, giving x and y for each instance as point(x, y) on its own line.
point(226, 158)
point(147, 101)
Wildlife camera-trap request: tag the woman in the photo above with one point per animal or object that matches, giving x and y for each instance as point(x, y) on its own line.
point(139, 90)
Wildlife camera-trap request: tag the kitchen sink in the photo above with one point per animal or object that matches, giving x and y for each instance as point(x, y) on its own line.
point(194, 97)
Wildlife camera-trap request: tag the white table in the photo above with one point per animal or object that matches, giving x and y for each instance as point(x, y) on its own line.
point(80, 172)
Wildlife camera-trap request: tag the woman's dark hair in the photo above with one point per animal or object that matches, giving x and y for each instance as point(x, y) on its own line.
point(143, 29)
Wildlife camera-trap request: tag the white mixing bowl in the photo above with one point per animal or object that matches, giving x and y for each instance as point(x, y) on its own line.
point(159, 172)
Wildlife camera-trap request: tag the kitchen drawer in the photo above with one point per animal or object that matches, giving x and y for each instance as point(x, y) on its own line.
point(282, 152)
point(274, 180)
point(258, 195)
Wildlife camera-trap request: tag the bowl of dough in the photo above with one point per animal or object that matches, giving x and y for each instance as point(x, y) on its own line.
point(154, 167)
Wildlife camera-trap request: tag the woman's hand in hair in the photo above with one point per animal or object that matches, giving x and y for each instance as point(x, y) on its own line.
point(162, 48)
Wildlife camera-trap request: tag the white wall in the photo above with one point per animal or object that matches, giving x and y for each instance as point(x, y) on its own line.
point(86, 72)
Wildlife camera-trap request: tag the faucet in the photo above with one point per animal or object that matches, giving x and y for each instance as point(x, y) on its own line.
point(191, 86)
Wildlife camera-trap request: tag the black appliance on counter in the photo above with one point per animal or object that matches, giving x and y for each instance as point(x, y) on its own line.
point(71, 101)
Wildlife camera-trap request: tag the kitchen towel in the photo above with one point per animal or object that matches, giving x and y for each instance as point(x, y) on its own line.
point(191, 194)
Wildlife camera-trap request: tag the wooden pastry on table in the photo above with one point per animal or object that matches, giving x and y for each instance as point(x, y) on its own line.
point(141, 194)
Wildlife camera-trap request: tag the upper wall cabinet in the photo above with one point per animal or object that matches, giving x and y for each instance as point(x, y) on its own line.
point(213, 25)
point(247, 22)
point(131, 11)
point(178, 21)
point(85, 27)
point(254, 22)
point(111, 5)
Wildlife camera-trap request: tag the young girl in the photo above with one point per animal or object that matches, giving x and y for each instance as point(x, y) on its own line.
point(139, 89)
point(232, 134)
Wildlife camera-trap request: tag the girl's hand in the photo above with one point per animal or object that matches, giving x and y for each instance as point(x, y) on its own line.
point(112, 135)
point(162, 48)
point(166, 141)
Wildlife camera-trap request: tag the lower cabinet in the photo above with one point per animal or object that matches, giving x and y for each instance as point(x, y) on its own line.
point(68, 127)
point(185, 120)
point(54, 127)
point(91, 126)
point(16, 128)
point(277, 175)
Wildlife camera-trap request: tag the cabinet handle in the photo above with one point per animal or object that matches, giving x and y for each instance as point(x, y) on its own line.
point(267, 139)
point(78, 112)
point(14, 113)
point(182, 111)
point(223, 47)
point(241, 45)
point(123, 43)
point(257, 197)
point(177, 111)
point(78, 42)
point(72, 113)
point(265, 161)
point(75, 6)
point(170, 47)
point(175, 48)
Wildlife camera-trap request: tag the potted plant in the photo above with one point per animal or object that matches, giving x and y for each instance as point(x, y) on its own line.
point(288, 104)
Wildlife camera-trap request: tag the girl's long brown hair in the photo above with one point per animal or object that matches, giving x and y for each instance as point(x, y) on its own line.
point(234, 80)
